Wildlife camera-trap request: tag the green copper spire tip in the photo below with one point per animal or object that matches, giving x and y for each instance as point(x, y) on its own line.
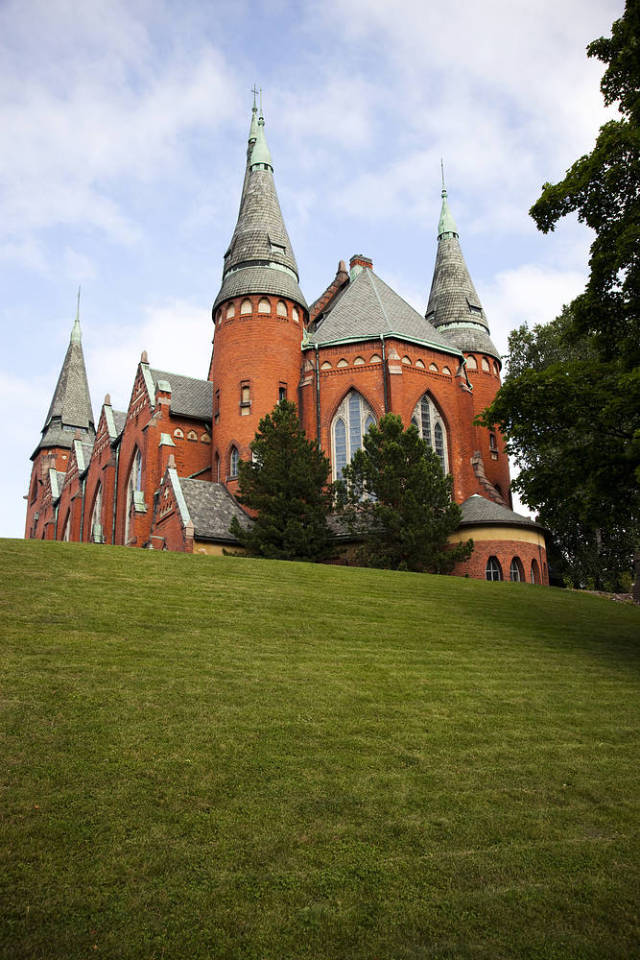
point(253, 129)
point(446, 224)
point(76, 335)
point(260, 153)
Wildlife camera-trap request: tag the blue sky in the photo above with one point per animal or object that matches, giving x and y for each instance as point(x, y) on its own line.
point(123, 128)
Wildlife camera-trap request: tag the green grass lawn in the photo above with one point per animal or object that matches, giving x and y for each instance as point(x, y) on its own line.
point(228, 758)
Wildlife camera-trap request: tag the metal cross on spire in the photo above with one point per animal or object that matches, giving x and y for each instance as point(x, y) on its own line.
point(444, 189)
point(255, 93)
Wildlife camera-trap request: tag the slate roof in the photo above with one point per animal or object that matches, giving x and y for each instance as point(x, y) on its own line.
point(189, 397)
point(260, 257)
point(71, 403)
point(119, 419)
point(211, 508)
point(477, 510)
point(367, 308)
point(454, 305)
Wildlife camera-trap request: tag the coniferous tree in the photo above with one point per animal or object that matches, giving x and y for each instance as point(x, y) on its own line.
point(396, 499)
point(286, 483)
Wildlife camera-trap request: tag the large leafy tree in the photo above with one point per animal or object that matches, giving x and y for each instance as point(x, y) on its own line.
point(574, 424)
point(395, 497)
point(571, 438)
point(286, 483)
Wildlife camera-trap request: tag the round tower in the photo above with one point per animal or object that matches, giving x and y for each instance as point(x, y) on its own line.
point(259, 316)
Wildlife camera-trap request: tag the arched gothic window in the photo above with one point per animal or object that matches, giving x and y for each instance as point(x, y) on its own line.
point(516, 573)
point(233, 462)
point(134, 493)
point(281, 308)
point(264, 306)
point(95, 529)
point(353, 418)
point(245, 306)
point(535, 572)
point(430, 424)
point(493, 570)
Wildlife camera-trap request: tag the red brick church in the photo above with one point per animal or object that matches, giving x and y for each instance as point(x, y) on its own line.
point(162, 474)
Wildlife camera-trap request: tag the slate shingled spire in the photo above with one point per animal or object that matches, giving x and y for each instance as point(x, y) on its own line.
point(454, 306)
point(70, 408)
point(260, 258)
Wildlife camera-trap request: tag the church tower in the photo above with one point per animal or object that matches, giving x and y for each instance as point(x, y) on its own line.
point(455, 310)
point(259, 316)
point(70, 417)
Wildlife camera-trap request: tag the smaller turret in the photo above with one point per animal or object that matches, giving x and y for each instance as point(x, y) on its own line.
point(454, 306)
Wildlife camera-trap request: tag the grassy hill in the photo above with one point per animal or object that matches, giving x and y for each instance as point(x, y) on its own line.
point(227, 758)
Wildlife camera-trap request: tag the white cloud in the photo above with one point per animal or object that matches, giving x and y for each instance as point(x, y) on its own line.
point(528, 294)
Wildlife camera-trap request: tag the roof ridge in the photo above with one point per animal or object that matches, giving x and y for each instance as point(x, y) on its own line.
point(375, 290)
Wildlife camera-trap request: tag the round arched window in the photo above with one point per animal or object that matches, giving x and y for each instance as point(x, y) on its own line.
point(493, 570)
point(264, 306)
point(245, 306)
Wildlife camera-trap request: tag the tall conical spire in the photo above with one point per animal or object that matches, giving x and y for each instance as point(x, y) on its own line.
point(260, 258)
point(70, 408)
point(454, 306)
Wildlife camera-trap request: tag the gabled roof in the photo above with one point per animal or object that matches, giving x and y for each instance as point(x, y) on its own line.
point(367, 309)
point(189, 397)
point(211, 509)
point(260, 258)
point(477, 510)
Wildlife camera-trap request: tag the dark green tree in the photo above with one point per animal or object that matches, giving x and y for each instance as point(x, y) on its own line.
point(574, 425)
point(395, 497)
point(286, 482)
point(571, 439)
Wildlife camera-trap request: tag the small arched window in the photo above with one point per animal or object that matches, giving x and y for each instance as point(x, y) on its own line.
point(433, 367)
point(516, 573)
point(496, 369)
point(264, 306)
point(419, 364)
point(66, 534)
point(375, 359)
point(325, 366)
point(535, 572)
point(245, 306)
point(192, 435)
point(353, 418)
point(205, 438)
point(406, 360)
point(493, 570)
point(446, 371)
point(485, 365)
point(358, 361)
point(295, 315)
point(134, 494)
point(430, 424)
point(231, 311)
point(233, 462)
point(471, 363)
point(281, 308)
point(178, 433)
point(342, 363)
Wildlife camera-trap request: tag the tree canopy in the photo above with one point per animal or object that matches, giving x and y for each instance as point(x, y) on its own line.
point(570, 405)
point(395, 497)
point(287, 483)
point(571, 439)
